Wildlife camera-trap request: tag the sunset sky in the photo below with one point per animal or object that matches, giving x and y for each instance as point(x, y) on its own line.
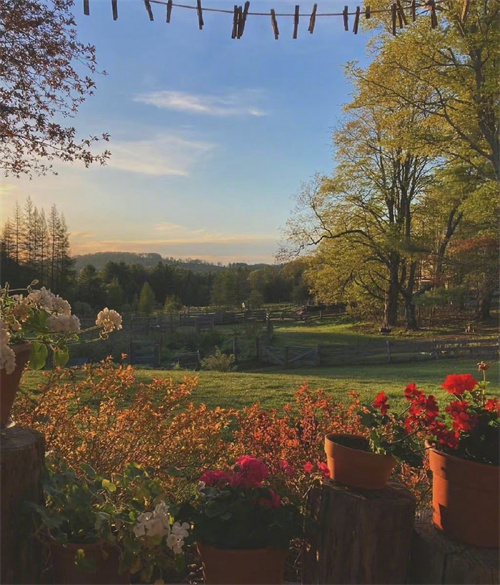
point(210, 137)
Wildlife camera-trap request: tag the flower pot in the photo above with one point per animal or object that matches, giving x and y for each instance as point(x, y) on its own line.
point(241, 567)
point(106, 560)
point(465, 499)
point(9, 382)
point(354, 466)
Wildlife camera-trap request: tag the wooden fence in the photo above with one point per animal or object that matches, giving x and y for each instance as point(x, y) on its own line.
point(145, 353)
point(379, 352)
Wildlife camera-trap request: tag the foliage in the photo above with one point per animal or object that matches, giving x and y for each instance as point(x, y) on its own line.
point(468, 427)
point(126, 510)
point(40, 56)
point(219, 362)
point(147, 299)
point(45, 320)
point(237, 509)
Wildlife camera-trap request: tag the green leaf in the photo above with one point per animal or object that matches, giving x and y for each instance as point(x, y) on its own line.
point(61, 356)
point(106, 484)
point(88, 470)
point(38, 356)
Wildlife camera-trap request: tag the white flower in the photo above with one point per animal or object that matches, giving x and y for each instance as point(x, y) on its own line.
point(109, 320)
point(4, 333)
point(61, 306)
point(43, 299)
point(156, 523)
point(7, 358)
point(180, 530)
point(63, 323)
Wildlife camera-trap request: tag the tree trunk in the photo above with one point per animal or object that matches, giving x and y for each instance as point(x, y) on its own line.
point(391, 298)
point(361, 536)
point(483, 310)
point(22, 454)
point(411, 316)
point(436, 559)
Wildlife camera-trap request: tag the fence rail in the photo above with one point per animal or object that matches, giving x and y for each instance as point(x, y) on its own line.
point(378, 353)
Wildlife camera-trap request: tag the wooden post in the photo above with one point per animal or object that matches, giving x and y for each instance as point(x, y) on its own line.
point(388, 352)
point(22, 453)
point(435, 558)
point(362, 536)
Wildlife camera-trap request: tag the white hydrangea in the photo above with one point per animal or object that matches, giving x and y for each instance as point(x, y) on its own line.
point(43, 299)
point(109, 320)
point(63, 324)
point(61, 306)
point(175, 539)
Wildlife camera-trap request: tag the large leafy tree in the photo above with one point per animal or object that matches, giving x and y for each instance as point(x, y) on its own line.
point(42, 86)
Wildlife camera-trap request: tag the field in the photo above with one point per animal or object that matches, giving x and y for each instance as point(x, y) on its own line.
point(275, 387)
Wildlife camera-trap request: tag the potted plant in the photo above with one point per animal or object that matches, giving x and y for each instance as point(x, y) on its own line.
point(32, 323)
point(463, 443)
point(103, 529)
point(241, 526)
point(368, 461)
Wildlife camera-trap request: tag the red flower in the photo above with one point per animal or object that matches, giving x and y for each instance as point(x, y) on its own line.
point(216, 477)
point(483, 366)
point(308, 467)
point(431, 408)
point(444, 435)
point(323, 467)
point(462, 420)
point(287, 468)
point(492, 405)
point(381, 402)
point(413, 393)
point(459, 383)
point(251, 472)
point(273, 502)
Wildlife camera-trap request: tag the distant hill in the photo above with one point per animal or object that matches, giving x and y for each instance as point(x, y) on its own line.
point(151, 259)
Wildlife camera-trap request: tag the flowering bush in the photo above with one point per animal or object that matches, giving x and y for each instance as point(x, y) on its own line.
point(45, 320)
point(127, 510)
point(468, 426)
point(236, 509)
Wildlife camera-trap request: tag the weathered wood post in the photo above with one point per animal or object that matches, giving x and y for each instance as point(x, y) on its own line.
point(435, 558)
point(362, 536)
point(22, 453)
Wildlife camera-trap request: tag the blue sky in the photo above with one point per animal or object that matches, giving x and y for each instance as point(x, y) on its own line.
point(210, 136)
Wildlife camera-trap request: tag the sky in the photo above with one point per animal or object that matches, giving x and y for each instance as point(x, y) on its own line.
point(211, 137)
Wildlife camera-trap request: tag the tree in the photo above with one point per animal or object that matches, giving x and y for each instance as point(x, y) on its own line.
point(147, 300)
point(40, 85)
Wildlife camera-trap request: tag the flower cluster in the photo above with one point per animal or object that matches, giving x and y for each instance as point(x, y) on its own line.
point(468, 427)
point(235, 508)
point(158, 524)
point(44, 319)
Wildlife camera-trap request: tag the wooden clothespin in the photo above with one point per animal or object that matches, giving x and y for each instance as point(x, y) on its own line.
point(465, 10)
point(86, 7)
point(114, 7)
point(345, 14)
point(296, 21)
point(368, 12)
point(169, 10)
point(274, 24)
point(312, 22)
point(434, 20)
point(401, 13)
point(413, 10)
point(394, 18)
point(242, 19)
point(356, 21)
point(235, 22)
point(147, 4)
point(199, 10)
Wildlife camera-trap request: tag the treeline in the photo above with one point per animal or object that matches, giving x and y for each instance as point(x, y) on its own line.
point(36, 247)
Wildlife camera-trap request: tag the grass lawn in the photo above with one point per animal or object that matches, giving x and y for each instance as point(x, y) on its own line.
point(275, 387)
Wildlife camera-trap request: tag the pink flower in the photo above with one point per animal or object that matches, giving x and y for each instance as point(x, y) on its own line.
point(287, 468)
point(323, 467)
point(215, 478)
point(250, 472)
point(308, 467)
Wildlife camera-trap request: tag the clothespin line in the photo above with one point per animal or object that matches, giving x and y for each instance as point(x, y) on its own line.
point(413, 10)
point(274, 24)
point(401, 13)
point(345, 14)
point(243, 13)
point(114, 7)
point(149, 10)
point(86, 7)
point(368, 12)
point(200, 14)
point(394, 18)
point(465, 11)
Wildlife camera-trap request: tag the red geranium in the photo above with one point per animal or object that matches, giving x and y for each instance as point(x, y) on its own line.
point(459, 383)
point(381, 402)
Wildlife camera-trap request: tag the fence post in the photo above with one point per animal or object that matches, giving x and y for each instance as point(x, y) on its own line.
point(435, 349)
point(318, 355)
point(286, 356)
point(388, 352)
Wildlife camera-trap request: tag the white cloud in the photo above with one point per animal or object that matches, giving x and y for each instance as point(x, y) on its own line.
point(161, 155)
point(237, 103)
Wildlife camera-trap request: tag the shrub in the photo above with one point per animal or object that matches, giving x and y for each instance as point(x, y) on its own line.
point(219, 362)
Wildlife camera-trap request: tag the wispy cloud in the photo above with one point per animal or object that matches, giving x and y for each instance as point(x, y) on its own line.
point(161, 155)
point(236, 103)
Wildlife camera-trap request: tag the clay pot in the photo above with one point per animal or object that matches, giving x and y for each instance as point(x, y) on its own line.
point(354, 466)
point(106, 559)
point(9, 383)
point(241, 567)
point(465, 499)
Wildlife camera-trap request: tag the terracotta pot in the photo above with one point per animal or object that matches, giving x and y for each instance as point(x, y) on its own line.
point(9, 383)
point(242, 567)
point(355, 467)
point(465, 499)
point(105, 557)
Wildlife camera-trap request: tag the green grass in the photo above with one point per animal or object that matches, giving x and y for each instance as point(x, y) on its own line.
point(274, 387)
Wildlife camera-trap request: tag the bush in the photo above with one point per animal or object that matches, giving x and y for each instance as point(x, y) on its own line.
point(219, 362)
